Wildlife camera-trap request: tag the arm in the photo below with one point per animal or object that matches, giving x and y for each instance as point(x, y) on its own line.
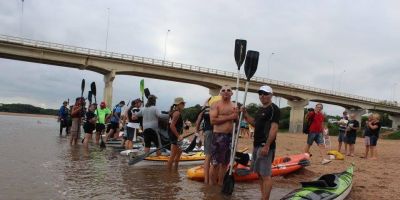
point(272, 134)
point(76, 109)
point(172, 126)
point(216, 120)
point(198, 121)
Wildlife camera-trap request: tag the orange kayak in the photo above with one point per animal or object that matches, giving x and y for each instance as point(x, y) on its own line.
point(281, 166)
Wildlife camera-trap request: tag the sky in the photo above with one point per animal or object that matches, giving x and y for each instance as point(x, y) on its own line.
point(347, 46)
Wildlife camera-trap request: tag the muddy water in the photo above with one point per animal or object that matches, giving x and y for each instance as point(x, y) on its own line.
point(36, 163)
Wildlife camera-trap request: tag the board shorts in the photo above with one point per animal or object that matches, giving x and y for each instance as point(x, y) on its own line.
point(100, 127)
point(367, 140)
point(76, 127)
point(150, 135)
point(350, 139)
point(221, 148)
point(172, 138)
point(208, 136)
point(114, 126)
point(373, 140)
point(341, 136)
point(262, 164)
point(130, 132)
point(317, 137)
point(89, 128)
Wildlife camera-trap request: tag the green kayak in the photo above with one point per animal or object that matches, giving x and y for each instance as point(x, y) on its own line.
point(329, 186)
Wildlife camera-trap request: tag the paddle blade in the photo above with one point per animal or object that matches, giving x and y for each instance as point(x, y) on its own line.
point(142, 86)
point(147, 92)
point(228, 184)
point(93, 88)
point(138, 159)
point(90, 96)
point(102, 143)
point(240, 51)
point(191, 146)
point(83, 85)
point(250, 66)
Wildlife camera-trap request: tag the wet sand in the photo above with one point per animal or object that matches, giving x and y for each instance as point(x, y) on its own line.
point(373, 179)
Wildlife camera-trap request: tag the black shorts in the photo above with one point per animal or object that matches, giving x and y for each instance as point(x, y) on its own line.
point(114, 126)
point(63, 123)
point(130, 132)
point(373, 140)
point(172, 138)
point(350, 139)
point(100, 127)
point(150, 135)
point(88, 128)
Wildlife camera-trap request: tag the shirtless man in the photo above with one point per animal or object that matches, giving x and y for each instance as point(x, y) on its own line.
point(222, 116)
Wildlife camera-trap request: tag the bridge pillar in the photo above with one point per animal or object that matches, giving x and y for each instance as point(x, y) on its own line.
point(297, 115)
point(214, 91)
point(108, 88)
point(395, 121)
point(358, 113)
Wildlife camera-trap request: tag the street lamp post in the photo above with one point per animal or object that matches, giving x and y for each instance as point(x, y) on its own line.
point(340, 80)
point(269, 63)
point(165, 44)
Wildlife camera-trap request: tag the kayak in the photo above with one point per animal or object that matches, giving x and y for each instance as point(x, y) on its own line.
point(186, 159)
point(242, 173)
point(329, 186)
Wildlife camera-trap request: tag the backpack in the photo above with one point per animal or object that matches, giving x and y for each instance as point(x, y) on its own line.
point(307, 125)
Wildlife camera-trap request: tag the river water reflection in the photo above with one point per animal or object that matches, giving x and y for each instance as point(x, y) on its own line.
point(36, 163)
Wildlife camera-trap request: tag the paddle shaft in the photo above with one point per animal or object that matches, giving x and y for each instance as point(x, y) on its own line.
point(142, 157)
point(234, 124)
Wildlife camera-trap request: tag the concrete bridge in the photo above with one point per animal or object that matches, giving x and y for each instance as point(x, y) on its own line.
point(111, 64)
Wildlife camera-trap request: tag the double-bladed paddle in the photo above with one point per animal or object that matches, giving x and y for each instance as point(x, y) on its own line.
point(90, 97)
point(82, 101)
point(93, 89)
point(146, 92)
point(143, 156)
point(250, 68)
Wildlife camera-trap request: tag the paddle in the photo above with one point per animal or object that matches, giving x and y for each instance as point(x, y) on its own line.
point(143, 156)
point(240, 54)
point(191, 146)
point(146, 92)
point(93, 88)
point(90, 103)
point(250, 68)
point(82, 101)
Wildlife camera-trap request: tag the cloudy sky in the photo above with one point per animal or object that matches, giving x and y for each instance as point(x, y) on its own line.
point(348, 46)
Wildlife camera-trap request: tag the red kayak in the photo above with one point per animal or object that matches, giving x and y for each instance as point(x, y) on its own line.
point(281, 166)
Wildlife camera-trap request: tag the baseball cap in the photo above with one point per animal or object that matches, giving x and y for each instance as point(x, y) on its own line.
point(103, 103)
point(265, 88)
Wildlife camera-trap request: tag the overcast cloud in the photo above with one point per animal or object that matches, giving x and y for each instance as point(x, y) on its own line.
point(350, 46)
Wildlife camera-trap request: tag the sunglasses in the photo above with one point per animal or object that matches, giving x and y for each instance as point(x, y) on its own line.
point(228, 90)
point(263, 93)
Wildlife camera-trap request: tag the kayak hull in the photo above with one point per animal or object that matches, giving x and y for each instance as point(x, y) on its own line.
point(186, 159)
point(280, 166)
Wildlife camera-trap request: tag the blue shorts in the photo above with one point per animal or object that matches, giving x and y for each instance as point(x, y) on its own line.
point(341, 136)
point(317, 137)
point(373, 140)
point(262, 164)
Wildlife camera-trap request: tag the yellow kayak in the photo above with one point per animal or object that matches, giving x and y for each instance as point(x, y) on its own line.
point(186, 159)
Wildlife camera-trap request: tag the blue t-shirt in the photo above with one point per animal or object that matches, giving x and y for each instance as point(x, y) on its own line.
point(116, 110)
point(63, 112)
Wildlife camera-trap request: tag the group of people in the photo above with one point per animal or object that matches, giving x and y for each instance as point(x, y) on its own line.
point(219, 117)
point(348, 127)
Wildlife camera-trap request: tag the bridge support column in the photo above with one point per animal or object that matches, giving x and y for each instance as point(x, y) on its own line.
point(357, 112)
point(214, 91)
point(395, 121)
point(297, 115)
point(108, 88)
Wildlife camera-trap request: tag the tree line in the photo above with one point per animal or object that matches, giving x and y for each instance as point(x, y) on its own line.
point(27, 109)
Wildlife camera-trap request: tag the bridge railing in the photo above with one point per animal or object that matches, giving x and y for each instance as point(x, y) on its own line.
point(107, 54)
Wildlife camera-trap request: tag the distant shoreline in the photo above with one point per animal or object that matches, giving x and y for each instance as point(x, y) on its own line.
point(28, 115)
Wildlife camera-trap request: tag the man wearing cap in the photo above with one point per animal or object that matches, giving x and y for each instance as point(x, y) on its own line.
point(265, 124)
point(133, 124)
point(150, 114)
point(222, 115)
point(103, 114)
point(63, 117)
point(115, 118)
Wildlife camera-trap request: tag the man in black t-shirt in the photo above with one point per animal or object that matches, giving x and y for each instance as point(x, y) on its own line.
point(351, 134)
point(265, 130)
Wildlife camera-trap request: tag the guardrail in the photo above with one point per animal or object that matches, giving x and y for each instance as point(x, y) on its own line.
point(94, 52)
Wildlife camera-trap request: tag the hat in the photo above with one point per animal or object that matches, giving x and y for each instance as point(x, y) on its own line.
point(265, 88)
point(65, 102)
point(103, 103)
point(179, 100)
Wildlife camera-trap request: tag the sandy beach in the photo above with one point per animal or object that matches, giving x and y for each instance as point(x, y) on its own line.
point(373, 179)
point(27, 115)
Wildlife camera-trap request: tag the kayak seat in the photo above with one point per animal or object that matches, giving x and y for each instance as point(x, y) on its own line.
point(327, 180)
point(286, 159)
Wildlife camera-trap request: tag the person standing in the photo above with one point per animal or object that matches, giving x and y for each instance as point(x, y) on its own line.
point(342, 129)
point(222, 116)
point(133, 125)
point(151, 115)
point(351, 134)
point(115, 119)
point(63, 117)
point(175, 131)
point(367, 137)
point(316, 132)
point(103, 114)
point(266, 124)
point(375, 127)
point(90, 124)
point(77, 114)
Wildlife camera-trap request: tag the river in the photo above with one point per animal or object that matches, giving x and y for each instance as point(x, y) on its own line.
point(36, 163)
